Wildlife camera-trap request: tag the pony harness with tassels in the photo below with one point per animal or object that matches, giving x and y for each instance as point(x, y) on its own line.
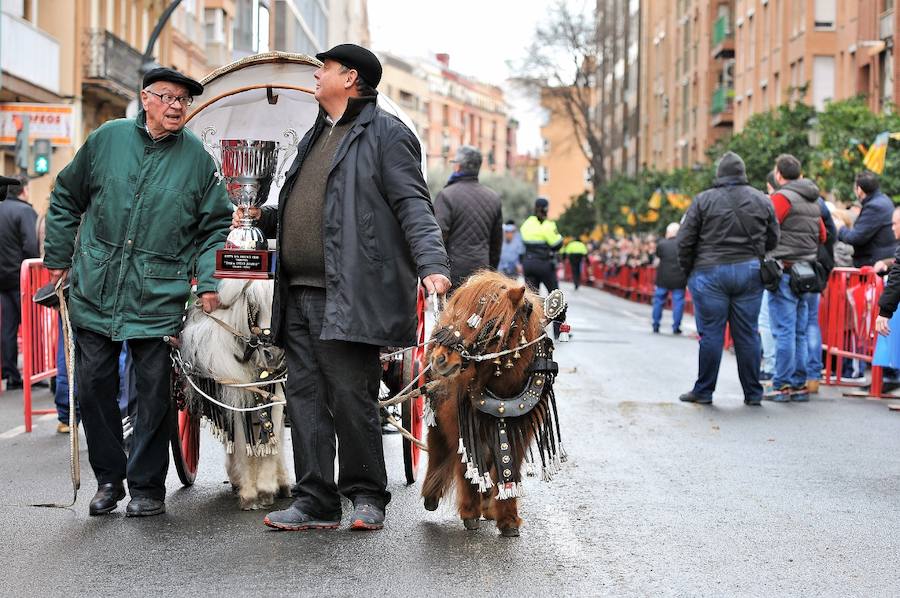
point(505, 423)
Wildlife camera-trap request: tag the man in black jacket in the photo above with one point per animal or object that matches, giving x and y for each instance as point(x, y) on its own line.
point(355, 229)
point(670, 279)
point(871, 235)
point(470, 217)
point(723, 234)
point(18, 242)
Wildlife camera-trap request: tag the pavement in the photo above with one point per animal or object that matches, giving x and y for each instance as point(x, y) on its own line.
point(658, 498)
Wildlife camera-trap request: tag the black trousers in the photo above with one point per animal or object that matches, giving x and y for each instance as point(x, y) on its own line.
point(332, 393)
point(575, 263)
point(97, 376)
point(10, 318)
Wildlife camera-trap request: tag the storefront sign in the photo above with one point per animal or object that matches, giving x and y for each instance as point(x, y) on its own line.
point(46, 121)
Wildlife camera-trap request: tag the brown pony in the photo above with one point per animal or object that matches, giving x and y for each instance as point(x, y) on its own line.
point(490, 409)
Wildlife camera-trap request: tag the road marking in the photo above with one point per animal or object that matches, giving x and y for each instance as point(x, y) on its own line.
point(21, 429)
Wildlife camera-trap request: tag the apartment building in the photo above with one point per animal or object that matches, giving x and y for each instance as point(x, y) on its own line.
point(406, 83)
point(465, 111)
point(618, 78)
point(563, 169)
point(313, 26)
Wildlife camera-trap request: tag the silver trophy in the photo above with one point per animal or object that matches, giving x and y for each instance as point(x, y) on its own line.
point(248, 167)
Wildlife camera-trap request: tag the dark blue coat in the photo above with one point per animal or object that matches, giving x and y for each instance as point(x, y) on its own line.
point(871, 235)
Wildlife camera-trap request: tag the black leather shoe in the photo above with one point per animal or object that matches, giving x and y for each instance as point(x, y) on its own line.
point(106, 499)
point(690, 397)
point(13, 384)
point(144, 506)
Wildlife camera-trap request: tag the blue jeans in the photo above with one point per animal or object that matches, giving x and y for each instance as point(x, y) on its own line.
point(813, 338)
point(659, 300)
point(766, 337)
point(728, 293)
point(788, 317)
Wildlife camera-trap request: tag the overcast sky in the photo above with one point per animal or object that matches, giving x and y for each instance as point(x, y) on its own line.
point(480, 37)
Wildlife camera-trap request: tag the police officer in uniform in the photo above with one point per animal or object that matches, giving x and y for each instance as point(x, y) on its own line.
point(541, 241)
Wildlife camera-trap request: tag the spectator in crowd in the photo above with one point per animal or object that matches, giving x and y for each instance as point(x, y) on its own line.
point(470, 218)
point(871, 235)
point(18, 242)
point(724, 232)
point(802, 230)
point(843, 252)
point(767, 340)
point(575, 251)
point(887, 305)
point(512, 250)
point(825, 259)
point(670, 280)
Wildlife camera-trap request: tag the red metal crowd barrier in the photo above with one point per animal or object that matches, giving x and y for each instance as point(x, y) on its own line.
point(851, 305)
point(39, 335)
point(847, 313)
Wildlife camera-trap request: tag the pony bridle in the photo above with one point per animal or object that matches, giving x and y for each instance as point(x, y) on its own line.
point(490, 333)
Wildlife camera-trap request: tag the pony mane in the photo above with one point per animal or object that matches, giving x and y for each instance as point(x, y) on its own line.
point(493, 287)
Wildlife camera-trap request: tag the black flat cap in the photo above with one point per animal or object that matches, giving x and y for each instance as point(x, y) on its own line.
point(356, 57)
point(541, 202)
point(163, 74)
point(8, 180)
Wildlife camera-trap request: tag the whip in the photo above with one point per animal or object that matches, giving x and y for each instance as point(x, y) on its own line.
point(69, 350)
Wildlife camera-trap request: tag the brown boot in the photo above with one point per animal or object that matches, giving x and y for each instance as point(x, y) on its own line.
point(812, 386)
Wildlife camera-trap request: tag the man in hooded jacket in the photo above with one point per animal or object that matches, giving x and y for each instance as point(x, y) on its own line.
point(723, 234)
point(802, 231)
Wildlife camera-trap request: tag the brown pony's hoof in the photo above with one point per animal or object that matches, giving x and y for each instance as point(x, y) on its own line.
point(473, 523)
point(509, 532)
point(431, 503)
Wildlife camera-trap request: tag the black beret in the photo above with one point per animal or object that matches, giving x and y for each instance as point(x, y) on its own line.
point(163, 74)
point(356, 57)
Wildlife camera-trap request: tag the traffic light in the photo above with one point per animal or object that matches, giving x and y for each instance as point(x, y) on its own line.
point(42, 150)
point(22, 145)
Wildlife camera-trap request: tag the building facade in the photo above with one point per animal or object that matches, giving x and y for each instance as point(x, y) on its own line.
point(406, 83)
point(563, 169)
point(74, 64)
point(465, 111)
point(313, 26)
point(618, 78)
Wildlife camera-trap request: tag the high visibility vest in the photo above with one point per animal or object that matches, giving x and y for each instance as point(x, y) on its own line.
point(541, 238)
point(575, 248)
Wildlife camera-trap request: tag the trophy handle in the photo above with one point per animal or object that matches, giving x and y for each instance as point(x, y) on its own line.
point(213, 148)
point(289, 152)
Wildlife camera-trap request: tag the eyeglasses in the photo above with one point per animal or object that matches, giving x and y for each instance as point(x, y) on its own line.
point(168, 99)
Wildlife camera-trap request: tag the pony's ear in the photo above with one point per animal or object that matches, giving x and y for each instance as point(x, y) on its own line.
point(515, 295)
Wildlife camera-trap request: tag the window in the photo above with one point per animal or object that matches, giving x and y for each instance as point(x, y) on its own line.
point(825, 14)
point(543, 174)
point(751, 51)
point(822, 81)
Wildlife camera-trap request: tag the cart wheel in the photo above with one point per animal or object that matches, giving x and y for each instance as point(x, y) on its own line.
point(412, 413)
point(185, 438)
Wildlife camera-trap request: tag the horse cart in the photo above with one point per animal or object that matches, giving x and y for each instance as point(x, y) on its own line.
point(271, 97)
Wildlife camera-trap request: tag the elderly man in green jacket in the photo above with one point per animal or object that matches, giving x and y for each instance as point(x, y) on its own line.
point(134, 216)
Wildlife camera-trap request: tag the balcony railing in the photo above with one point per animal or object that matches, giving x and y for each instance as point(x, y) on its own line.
point(112, 60)
point(29, 53)
point(721, 30)
point(722, 100)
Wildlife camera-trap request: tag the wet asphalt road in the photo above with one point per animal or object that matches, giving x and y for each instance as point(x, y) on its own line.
point(658, 498)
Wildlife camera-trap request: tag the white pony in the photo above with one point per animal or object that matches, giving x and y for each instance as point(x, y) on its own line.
point(221, 352)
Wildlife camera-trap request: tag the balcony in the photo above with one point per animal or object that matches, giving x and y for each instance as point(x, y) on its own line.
point(723, 38)
point(28, 53)
point(721, 107)
point(111, 64)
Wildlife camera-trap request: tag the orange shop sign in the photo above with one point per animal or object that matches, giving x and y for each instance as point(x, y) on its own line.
point(46, 121)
